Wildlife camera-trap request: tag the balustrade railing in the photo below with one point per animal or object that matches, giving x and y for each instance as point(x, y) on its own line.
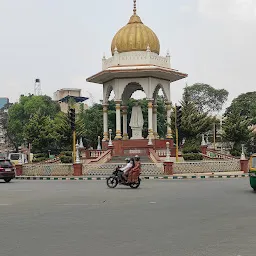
point(207, 167)
point(93, 154)
point(217, 155)
point(108, 168)
point(47, 170)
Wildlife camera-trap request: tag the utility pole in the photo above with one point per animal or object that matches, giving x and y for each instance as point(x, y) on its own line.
point(178, 116)
point(72, 118)
point(221, 133)
point(214, 136)
point(71, 101)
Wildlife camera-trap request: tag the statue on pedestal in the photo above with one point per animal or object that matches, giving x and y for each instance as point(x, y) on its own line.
point(136, 122)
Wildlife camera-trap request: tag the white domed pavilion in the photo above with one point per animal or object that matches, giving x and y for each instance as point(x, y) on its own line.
point(135, 65)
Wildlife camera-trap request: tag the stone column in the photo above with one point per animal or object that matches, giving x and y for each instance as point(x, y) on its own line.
point(19, 171)
point(118, 121)
point(169, 112)
point(150, 119)
point(105, 122)
point(155, 122)
point(244, 165)
point(168, 168)
point(124, 113)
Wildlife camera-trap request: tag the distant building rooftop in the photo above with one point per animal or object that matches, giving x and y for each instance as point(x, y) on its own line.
point(3, 102)
point(69, 89)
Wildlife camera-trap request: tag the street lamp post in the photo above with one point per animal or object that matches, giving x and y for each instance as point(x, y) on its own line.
point(150, 143)
point(20, 156)
point(168, 158)
point(99, 145)
point(110, 144)
point(243, 153)
point(81, 145)
point(77, 154)
point(203, 143)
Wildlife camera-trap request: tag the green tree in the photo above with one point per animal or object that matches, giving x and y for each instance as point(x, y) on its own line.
point(40, 132)
point(20, 113)
point(236, 130)
point(238, 117)
point(193, 122)
point(16, 123)
point(245, 106)
point(63, 132)
point(93, 123)
point(206, 98)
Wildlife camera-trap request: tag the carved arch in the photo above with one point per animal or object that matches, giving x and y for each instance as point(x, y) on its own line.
point(107, 91)
point(130, 89)
point(156, 91)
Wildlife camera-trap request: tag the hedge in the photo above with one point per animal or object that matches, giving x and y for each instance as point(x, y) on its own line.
point(192, 157)
point(66, 159)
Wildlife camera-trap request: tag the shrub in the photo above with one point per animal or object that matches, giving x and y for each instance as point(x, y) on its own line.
point(191, 146)
point(39, 159)
point(66, 153)
point(235, 152)
point(41, 155)
point(193, 157)
point(191, 149)
point(66, 159)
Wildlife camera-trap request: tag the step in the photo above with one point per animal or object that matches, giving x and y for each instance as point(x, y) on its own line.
point(121, 159)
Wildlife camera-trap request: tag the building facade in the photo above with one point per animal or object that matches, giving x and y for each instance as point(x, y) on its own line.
point(62, 93)
point(3, 102)
point(4, 105)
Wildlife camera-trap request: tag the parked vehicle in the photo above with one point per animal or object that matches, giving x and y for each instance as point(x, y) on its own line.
point(252, 173)
point(117, 178)
point(14, 158)
point(7, 170)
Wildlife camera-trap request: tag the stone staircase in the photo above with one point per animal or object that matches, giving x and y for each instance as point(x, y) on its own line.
point(121, 159)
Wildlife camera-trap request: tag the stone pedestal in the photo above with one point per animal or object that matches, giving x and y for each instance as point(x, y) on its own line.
point(136, 134)
point(78, 169)
point(19, 171)
point(168, 168)
point(244, 165)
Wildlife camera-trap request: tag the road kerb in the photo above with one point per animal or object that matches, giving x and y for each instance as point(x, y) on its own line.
point(165, 177)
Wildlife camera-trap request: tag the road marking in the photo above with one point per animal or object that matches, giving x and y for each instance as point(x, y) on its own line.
point(78, 204)
point(73, 204)
point(152, 202)
point(16, 190)
point(5, 204)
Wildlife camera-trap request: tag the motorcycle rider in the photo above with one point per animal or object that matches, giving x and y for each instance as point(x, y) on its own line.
point(127, 168)
point(135, 171)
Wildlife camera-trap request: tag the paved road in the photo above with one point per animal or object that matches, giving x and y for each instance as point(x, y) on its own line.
point(163, 218)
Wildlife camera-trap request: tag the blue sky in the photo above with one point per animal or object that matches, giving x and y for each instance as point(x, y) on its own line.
point(62, 42)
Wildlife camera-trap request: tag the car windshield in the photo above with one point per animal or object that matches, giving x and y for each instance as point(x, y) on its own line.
point(5, 163)
point(254, 162)
point(2, 155)
point(14, 156)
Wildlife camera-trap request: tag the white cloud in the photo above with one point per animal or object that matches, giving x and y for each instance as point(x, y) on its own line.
point(243, 10)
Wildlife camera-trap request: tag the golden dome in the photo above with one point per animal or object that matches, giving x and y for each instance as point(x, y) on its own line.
point(135, 36)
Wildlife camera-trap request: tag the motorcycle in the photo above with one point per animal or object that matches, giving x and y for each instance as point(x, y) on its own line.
point(117, 178)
